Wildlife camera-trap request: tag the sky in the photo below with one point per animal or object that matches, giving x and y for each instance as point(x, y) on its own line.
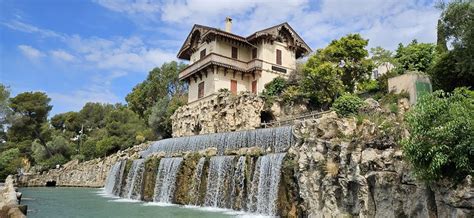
point(79, 51)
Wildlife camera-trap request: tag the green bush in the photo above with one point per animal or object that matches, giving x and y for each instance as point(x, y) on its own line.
point(347, 104)
point(275, 87)
point(441, 143)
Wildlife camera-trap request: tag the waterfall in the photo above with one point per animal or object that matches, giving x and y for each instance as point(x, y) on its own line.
point(166, 179)
point(264, 187)
point(220, 169)
point(238, 185)
point(113, 178)
point(194, 191)
point(134, 180)
point(277, 139)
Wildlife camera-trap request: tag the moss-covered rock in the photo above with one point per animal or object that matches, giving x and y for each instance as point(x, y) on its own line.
point(128, 165)
point(203, 185)
point(184, 177)
point(149, 177)
point(289, 201)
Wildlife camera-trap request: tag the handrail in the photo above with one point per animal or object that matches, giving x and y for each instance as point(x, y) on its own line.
point(291, 119)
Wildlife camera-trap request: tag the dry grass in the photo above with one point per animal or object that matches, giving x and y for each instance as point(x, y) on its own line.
point(332, 168)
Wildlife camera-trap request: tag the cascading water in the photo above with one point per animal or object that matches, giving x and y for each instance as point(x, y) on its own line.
point(266, 178)
point(134, 180)
point(166, 179)
point(277, 139)
point(249, 183)
point(197, 177)
point(238, 185)
point(112, 178)
point(220, 170)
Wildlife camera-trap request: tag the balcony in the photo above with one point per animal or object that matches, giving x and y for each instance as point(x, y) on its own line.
point(222, 61)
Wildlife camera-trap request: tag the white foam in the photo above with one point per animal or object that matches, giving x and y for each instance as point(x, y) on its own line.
point(159, 204)
point(125, 200)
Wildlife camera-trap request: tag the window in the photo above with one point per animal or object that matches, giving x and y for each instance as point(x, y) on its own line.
point(234, 52)
point(254, 87)
point(203, 53)
point(201, 90)
point(233, 86)
point(254, 53)
point(278, 56)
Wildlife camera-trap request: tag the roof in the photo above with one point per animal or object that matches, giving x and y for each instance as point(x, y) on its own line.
point(202, 32)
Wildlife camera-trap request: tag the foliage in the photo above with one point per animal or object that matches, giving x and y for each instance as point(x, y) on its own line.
point(414, 57)
point(350, 55)
point(392, 98)
point(381, 55)
point(347, 104)
point(292, 94)
point(4, 111)
point(383, 80)
point(440, 145)
point(454, 67)
point(161, 83)
point(9, 162)
point(275, 87)
point(321, 82)
point(368, 86)
point(160, 117)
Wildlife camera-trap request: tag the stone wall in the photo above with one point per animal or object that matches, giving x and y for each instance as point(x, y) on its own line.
point(8, 200)
point(222, 112)
point(91, 173)
point(346, 168)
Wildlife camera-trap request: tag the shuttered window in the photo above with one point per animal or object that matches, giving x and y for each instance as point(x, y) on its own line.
point(203, 53)
point(254, 87)
point(278, 56)
point(234, 52)
point(201, 90)
point(233, 86)
point(254, 53)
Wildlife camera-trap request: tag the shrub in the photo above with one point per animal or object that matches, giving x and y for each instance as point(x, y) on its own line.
point(440, 144)
point(275, 87)
point(347, 104)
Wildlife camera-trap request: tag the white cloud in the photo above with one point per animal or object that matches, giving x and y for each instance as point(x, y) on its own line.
point(24, 27)
point(30, 52)
point(62, 55)
point(74, 101)
point(385, 23)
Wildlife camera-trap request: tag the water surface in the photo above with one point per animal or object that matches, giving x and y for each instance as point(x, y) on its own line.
point(88, 202)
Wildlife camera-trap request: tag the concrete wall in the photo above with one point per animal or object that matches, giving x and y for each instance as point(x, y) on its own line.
point(225, 48)
point(407, 83)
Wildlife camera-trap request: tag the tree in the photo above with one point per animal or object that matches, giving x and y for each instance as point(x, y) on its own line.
point(454, 67)
point(9, 162)
point(4, 111)
point(414, 57)
point(322, 82)
point(381, 55)
point(440, 144)
point(29, 119)
point(161, 82)
point(160, 117)
point(350, 54)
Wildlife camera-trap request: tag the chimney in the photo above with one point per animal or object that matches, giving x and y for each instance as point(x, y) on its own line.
point(228, 24)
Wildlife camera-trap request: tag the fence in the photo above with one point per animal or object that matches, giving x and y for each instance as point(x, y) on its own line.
point(292, 119)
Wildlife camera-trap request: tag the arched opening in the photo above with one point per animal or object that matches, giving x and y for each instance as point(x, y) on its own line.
point(197, 129)
point(266, 117)
point(51, 183)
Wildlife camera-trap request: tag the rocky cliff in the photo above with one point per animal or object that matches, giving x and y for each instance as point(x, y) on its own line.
point(354, 167)
point(85, 174)
point(222, 112)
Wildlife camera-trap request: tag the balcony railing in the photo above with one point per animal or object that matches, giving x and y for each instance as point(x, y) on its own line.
point(220, 60)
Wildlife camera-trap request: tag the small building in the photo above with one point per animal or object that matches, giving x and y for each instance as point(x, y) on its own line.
point(219, 59)
point(415, 84)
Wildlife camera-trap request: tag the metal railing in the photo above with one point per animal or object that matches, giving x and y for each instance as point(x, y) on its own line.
point(290, 120)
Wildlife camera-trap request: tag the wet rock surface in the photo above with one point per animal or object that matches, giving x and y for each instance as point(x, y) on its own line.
point(9, 206)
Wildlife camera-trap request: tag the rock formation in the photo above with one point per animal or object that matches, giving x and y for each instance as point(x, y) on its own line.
point(9, 206)
point(86, 174)
point(223, 112)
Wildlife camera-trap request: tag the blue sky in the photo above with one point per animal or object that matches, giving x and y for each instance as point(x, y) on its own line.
point(80, 51)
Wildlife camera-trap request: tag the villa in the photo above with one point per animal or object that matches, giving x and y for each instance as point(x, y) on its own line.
point(219, 59)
